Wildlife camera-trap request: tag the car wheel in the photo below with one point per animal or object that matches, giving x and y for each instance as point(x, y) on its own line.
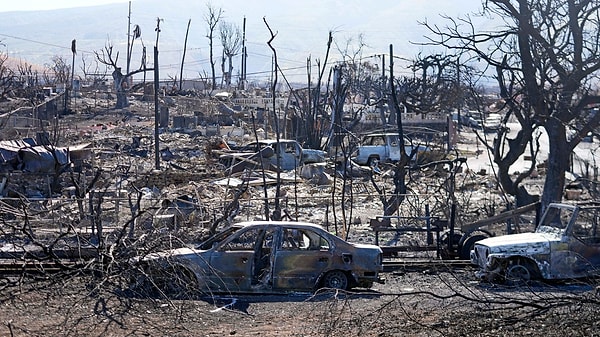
point(373, 162)
point(449, 238)
point(468, 244)
point(518, 272)
point(336, 279)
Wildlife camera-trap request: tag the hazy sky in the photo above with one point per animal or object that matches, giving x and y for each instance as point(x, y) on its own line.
point(301, 27)
point(35, 5)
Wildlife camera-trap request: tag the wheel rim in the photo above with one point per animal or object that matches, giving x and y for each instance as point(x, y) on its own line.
point(518, 272)
point(336, 280)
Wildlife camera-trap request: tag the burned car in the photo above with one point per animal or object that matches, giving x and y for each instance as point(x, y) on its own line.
point(265, 257)
point(275, 155)
point(385, 147)
point(565, 245)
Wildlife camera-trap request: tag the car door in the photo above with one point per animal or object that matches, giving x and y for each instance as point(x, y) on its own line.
point(302, 256)
point(262, 270)
point(584, 244)
point(393, 147)
point(290, 155)
point(232, 262)
point(372, 146)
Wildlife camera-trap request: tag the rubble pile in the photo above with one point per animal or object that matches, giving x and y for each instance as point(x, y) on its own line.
point(115, 163)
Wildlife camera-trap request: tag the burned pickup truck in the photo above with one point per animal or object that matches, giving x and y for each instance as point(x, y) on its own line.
point(565, 245)
point(385, 147)
point(265, 153)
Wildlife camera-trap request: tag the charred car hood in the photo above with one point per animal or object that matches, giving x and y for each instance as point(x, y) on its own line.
point(514, 242)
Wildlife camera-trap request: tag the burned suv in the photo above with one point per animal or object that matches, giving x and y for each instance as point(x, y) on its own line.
point(565, 244)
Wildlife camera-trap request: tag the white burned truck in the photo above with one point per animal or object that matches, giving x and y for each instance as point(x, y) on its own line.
point(384, 147)
point(565, 245)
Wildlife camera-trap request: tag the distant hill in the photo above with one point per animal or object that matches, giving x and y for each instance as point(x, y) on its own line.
point(39, 35)
point(301, 30)
point(14, 63)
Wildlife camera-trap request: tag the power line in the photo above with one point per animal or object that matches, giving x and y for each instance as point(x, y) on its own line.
point(169, 66)
point(34, 41)
point(45, 43)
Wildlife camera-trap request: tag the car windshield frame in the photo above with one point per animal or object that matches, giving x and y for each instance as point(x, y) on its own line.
point(217, 238)
point(557, 219)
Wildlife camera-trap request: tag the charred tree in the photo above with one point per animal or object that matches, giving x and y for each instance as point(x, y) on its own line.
point(547, 57)
point(183, 57)
point(231, 40)
point(7, 77)
point(309, 119)
point(212, 19)
point(108, 57)
point(277, 211)
point(392, 204)
point(92, 72)
point(438, 88)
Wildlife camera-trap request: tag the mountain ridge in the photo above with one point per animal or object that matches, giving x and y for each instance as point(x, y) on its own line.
point(301, 31)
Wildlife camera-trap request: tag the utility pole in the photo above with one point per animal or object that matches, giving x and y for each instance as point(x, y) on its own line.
point(383, 66)
point(396, 105)
point(458, 92)
point(380, 103)
point(156, 110)
point(74, 51)
point(128, 38)
point(183, 57)
point(338, 106)
point(243, 77)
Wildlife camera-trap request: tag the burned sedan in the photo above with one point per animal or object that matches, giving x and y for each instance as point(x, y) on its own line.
point(264, 257)
point(565, 245)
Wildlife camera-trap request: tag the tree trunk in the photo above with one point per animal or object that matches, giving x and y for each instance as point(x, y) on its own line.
point(558, 162)
point(229, 70)
point(122, 101)
point(212, 63)
point(505, 160)
point(392, 205)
